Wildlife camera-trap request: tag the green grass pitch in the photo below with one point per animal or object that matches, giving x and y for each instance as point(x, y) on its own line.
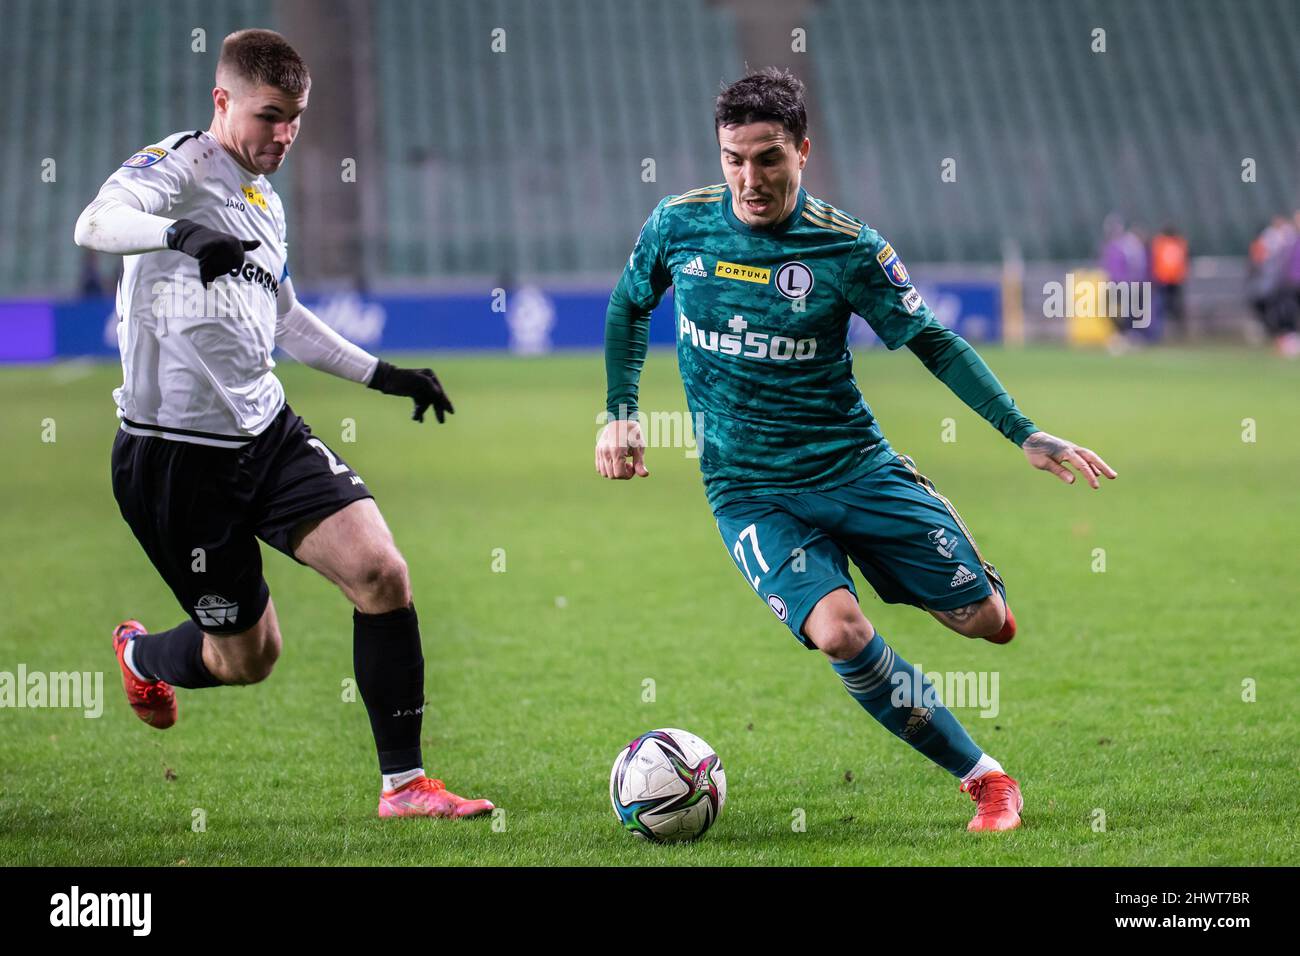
point(1120, 701)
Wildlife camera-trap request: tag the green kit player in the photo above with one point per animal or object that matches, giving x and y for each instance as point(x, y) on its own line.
point(797, 472)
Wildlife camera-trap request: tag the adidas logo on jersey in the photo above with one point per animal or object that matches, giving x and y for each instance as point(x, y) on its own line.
point(963, 576)
point(696, 268)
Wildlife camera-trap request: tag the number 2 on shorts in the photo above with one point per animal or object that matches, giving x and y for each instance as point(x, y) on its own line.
point(335, 466)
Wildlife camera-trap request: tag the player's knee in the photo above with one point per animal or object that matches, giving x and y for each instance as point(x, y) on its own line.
point(842, 638)
point(837, 627)
point(385, 584)
point(253, 670)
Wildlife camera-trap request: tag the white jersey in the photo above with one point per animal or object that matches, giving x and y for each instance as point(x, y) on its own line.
point(196, 362)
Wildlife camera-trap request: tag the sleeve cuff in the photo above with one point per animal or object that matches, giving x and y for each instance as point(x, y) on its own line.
point(1021, 434)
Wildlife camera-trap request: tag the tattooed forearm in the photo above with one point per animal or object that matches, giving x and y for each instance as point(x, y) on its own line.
point(961, 615)
point(1046, 444)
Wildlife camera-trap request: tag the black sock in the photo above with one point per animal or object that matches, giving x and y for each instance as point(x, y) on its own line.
point(390, 675)
point(175, 656)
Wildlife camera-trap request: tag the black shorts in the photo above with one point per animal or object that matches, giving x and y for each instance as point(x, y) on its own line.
point(198, 511)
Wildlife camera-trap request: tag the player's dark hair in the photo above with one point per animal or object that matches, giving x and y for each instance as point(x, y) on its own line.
point(771, 94)
point(265, 58)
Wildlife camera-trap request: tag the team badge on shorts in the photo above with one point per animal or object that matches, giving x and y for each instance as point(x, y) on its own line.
point(778, 607)
point(895, 271)
point(145, 157)
point(942, 543)
point(214, 610)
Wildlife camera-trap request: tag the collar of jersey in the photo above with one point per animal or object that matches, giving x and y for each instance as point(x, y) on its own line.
point(781, 228)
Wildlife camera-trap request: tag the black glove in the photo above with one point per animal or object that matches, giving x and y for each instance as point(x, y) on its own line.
point(419, 384)
point(218, 252)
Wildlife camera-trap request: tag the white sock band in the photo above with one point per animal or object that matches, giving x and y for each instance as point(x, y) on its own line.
point(394, 780)
point(985, 764)
point(128, 658)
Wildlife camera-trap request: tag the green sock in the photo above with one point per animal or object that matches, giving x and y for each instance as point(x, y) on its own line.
point(887, 688)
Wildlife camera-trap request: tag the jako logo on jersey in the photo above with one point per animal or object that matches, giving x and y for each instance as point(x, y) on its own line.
point(756, 345)
point(696, 268)
point(145, 157)
point(734, 270)
point(794, 280)
point(255, 197)
point(895, 271)
point(214, 610)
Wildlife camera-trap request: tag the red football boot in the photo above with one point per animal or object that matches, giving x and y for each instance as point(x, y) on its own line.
point(154, 702)
point(423, 797)
point(998, 801)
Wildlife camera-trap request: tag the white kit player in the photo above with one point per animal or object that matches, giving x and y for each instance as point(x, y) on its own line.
point(209, 457)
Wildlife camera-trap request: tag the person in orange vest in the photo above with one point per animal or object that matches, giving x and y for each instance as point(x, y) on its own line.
point(1169, 271)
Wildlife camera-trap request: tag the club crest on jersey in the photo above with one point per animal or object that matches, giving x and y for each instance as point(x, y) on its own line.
point(145, 157)
point(895, 271)
point(794, 280)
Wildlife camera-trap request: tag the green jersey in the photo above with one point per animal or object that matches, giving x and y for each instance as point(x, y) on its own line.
point(762, 319)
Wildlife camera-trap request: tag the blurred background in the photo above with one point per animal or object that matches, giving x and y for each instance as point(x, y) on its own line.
point(1018, 153)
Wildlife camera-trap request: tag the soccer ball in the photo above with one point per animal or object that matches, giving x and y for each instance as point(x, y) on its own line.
point(667, 786)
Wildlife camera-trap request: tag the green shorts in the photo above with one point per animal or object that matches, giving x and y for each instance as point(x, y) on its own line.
point(906, 539)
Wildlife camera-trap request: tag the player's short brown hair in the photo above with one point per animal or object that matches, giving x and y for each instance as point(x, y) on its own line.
point(771, 94)
point(264, 58)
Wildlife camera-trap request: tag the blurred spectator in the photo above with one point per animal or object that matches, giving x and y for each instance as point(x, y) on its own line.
point(1114, 261)
point(1169, 272)
point(1289, 341)
point(1124, 259)
point(1271, 286)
